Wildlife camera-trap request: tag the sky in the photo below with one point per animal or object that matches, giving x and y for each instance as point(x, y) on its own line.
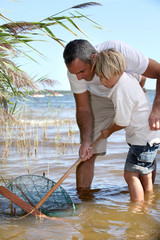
point(135, 22)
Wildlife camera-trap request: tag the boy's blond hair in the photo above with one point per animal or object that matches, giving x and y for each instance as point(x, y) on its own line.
point(108, 63)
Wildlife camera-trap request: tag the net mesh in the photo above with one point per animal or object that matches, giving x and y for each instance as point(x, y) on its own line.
point(32, 188)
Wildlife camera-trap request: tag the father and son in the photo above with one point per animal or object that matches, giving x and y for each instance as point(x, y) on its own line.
point(107, 83)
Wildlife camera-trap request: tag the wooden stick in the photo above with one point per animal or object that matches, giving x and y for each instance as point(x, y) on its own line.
point(48, 194)
point(34, 210)
point(21, 203)
point(25, 196)
point(24, 205)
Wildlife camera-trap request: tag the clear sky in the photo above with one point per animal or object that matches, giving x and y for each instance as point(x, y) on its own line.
point(135, 22)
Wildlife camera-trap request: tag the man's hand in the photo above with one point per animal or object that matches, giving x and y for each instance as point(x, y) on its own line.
point(154, 119)
point(153, 71)
point(86, 151)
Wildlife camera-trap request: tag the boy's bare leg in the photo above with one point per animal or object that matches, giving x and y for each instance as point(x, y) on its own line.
point(135, 186)
point(85, 173)
point(147, 182)
point(154, 171)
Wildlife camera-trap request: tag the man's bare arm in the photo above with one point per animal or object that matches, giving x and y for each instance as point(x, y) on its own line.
point(85, 123)
point(153, 71)
point(142, 82)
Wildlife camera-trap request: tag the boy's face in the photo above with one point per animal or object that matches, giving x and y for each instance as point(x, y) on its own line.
point(109, 83)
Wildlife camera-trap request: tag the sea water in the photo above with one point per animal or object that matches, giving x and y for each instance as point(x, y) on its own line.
point(106, 212)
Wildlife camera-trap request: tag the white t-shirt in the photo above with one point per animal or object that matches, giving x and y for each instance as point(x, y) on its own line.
point(136, 63)
point(132, 109)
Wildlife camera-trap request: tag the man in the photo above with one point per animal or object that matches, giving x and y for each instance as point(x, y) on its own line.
point(94, 111)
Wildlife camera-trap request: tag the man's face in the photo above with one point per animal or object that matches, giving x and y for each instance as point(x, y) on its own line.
point(81, 69)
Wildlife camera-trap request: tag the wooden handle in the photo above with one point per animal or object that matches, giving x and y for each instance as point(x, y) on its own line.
point(34, 210)
point(21, 203)
point(97, 141)
point(48, 194)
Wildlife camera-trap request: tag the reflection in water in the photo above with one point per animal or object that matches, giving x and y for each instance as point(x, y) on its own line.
point(108, 221)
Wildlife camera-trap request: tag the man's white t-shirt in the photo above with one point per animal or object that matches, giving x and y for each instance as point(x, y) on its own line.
point(136, 64)
point(132, 109)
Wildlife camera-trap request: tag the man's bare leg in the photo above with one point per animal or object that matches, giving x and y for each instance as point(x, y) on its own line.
point(85, 174)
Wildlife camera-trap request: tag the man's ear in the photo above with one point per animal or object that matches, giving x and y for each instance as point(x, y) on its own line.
point(93, 56)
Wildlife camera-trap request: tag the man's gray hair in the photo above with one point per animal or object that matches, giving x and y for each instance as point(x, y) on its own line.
point(79, 48)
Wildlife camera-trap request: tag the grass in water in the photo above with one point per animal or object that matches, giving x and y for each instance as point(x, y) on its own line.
point(29, 137)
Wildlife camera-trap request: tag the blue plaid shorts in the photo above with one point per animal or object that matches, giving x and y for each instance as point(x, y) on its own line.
point(141, 158)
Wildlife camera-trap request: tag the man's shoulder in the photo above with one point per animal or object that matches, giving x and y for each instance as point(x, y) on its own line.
point(128, 81)
point(116, 44)
point(126, 87)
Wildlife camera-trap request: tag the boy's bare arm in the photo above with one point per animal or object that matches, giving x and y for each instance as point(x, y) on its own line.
point(111, 129)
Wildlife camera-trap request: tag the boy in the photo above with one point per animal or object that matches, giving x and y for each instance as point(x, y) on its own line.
point(132, 110)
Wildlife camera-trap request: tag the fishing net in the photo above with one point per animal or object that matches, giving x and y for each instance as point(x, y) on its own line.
point(32, 188)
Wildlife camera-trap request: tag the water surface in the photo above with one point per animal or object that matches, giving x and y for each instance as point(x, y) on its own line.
point(51, 148)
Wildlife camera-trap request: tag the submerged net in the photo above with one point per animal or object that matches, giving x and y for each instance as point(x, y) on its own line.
point(32, 188)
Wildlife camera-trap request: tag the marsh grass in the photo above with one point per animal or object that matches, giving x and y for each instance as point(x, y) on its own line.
point(28, 138)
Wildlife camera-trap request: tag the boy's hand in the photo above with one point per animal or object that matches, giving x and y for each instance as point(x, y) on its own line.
point(105, 133)
point(111, 129)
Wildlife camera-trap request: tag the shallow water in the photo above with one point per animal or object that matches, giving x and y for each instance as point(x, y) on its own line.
point(104, 213)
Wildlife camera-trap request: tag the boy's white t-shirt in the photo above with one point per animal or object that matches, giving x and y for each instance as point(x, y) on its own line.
point(132, 109)
point(136, 64)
